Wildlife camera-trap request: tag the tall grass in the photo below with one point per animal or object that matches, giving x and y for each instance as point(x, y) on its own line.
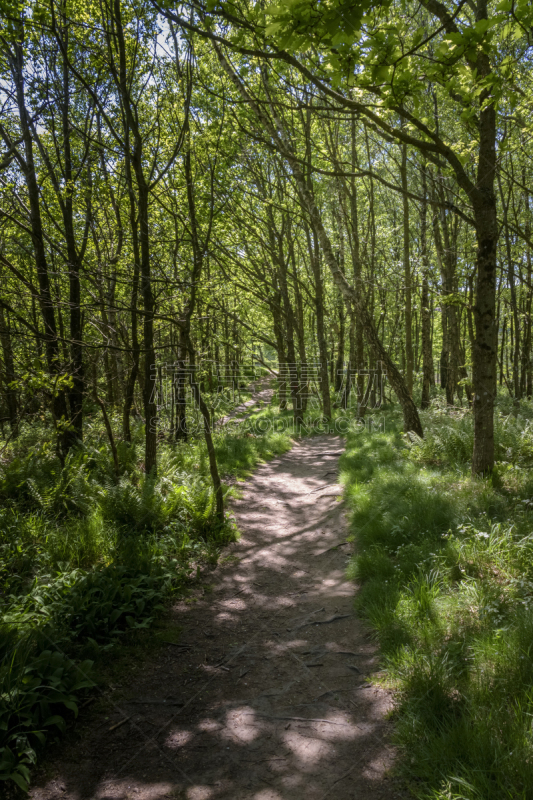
point(445, 566)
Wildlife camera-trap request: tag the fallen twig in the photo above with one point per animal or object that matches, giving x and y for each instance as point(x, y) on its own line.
point(334, 618)
point(175, 644)
point(335, 546)
point(225, 599)
point(306, 617)
point(118, 724)
point(320, 488)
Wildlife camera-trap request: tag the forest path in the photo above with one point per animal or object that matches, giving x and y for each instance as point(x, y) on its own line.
point(267, 696)
point(262, 392)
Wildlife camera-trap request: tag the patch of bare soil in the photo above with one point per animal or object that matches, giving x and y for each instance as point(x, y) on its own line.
point(270, 695)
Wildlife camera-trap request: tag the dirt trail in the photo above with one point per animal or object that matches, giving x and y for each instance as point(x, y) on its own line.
point(269, 698)
point(261, 395)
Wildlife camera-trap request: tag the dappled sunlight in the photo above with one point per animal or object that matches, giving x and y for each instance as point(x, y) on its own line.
point(180, 737)
point(124, 789)
point(241, 726)
point(200, 793)
point(268, 697)
point(308, 751)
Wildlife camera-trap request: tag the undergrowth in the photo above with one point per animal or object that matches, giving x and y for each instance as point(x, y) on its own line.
point(445, 565)
point(88, 557)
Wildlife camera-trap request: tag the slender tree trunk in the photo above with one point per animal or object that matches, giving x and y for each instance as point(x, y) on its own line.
point(292, 364)
point(350, 368)
point(485, 344)
point(180, 398)
point(213, 466)
point(314, 254)
point(279, 334)
point(109, 431)
point(27, 164)
point(320, 325)
point(527, 382)
point(407, 277)
point(339, 367)
point(427, 361)
point(77, 389)
point(142, 198)
point(8, 376)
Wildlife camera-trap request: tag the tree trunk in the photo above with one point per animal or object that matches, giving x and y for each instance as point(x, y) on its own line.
point(320, 326)
point(142, 196)
point(8, 376)
point(180, 398)
point(485, 343)
point(27, 164)
point(213, 466)
point(527, 383)
point(76, 391)
point(339, 367)
point(427, 360)
point(407, 277)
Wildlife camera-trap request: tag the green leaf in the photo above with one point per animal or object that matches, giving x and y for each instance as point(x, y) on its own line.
point(57, 720)
point(17, 778)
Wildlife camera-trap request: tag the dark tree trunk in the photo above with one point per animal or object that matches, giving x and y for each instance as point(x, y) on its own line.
point(27, 164)
point(339, 367)
point(142, 197)
point(320, 326)
point(8, 377)
point(427, 360)
point(279, 334)
point(181, 434)
point(407, 277)
point(76, 392)
point(485, 343)
point(526, 379)
point(213, 466)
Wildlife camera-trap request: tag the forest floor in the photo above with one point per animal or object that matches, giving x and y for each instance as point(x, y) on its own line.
point(267, 692)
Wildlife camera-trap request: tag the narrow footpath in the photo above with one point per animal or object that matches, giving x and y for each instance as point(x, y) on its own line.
point(269, 694)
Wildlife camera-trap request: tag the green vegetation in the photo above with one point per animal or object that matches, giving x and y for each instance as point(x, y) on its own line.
point(199, 197)
point(88, 557)
point(445, 563)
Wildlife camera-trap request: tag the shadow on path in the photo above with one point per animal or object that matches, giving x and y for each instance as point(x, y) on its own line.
point(268, 696)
